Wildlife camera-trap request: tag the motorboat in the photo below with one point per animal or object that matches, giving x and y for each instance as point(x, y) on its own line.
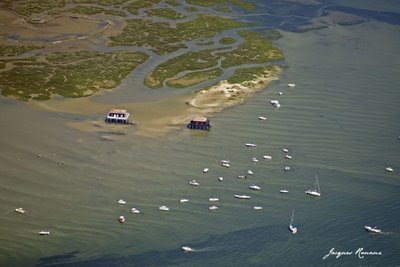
point(285, 150)
point(44, 232)
point(213, 199)
point(184, 200)
point(254, 160)
point(316, 192)
point(194, 182)
point(372, 229)
point(20, 210)
point(262, 118)
point(187, 249)
point(163, 208)
point(389, 169)
point(242, 176)
point(250, 145)
point(291, 227)
point(121, 201)
point(227, 165)
point(288, 157)
point(213, 208)
point(257, 208)
point(267, 157)
point(275, 103)
point(250, 172)
point(205, 170)
point(220, 179)
point(242, 196)
point(291, 84)
point(284, 191)
point(287, 168)
point(254, 187)
point(135, 211)
point(121, 219)
point(226, 161)
point(280, 93)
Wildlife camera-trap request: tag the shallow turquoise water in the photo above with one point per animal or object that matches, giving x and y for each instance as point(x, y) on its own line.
point(340, 122)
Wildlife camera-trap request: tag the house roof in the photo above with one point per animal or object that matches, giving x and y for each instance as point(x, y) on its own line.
point(118, 111)
point(199, 119)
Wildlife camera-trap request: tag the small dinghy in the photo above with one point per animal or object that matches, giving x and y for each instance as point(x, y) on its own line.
point(275, 103)
point(121, 201)
point(254, 160)
point(121, 219)
point(20, 210)
point(184, 200)
point(267, 157)
point(372, 229)
point(220, 179)
point(163, 208)
point(254, 187)
point(194, 182)
point(226, 165)
point(242, 196)
point(287, 168)
point(213, 208)
point(284, 191)
point(242, 176)
point(291, 85)
point(44, 233)
point(288, 157)
point(389, 169)
point(187, 249)
point(280, 93)
point(257, 208)
point(213, 199)
point(205, 170)
point(285, 150)
point(250, 145)
point(135, 211)
point(250, 172)
point(262, 118)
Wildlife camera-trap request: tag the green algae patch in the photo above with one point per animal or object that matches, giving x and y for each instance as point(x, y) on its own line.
point(161, 38)
point(254, 50)
point(16, 50)
point(69, 74)
point(167, 13)
point(188, 61)
point(135, 6)
point(227, 40)
point(193, 78)
point(29, 7)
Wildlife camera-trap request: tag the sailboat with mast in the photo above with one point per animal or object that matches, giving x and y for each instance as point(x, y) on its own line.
point(316, 192)
point(291, 227)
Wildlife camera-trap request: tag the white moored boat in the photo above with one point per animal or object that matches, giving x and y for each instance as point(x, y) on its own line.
point(254, 160)
point(275, 103)
point(163, 208)
point(187, 249)
point(284, 191)
point(250, 172)
point(20, 210)
point(389, 169)
point(44, 233)
point(267, 157)
point(288, 157)
point(213, 208)
point(220, 179)
point(372, 229)
point(135, 211)
point(242, 176)
point(262, 118)
point(194, 182)
point(184, 200)
point(250, 145)
point(285, 150)
point(205, 170)
point(121, 219)
point(257, 208)
point(254, 187)
point(291, 227)
point(280, 93)
point(242, 196)
point(316, 192)
point(226, 165)
point(213, 199)
point(291, 84)
point(121, 201)
point(287, 168)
